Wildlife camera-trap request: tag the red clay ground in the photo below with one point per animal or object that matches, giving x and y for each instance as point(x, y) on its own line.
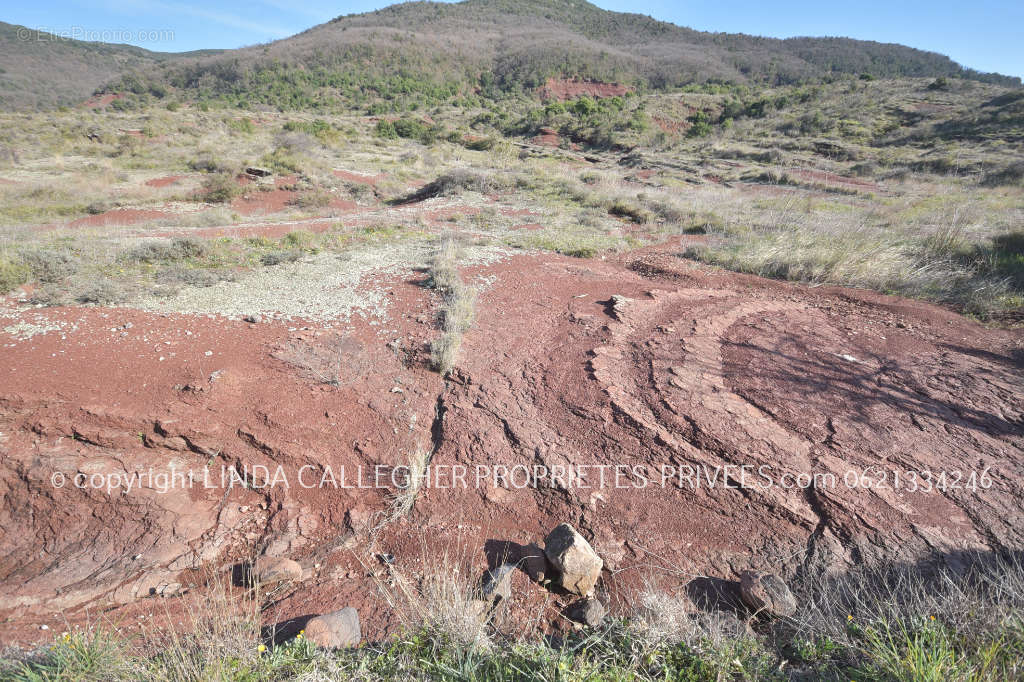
point(560, 88)
point(689, 369)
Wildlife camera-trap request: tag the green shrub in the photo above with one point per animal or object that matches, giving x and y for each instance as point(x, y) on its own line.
point(12, 274)
point(184, 248)
point(386, 129)
point(48, 265)
point(220, 188)
point(638, 215)
point(700, 125)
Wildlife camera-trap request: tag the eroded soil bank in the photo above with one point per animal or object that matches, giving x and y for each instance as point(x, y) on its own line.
point(692, 398)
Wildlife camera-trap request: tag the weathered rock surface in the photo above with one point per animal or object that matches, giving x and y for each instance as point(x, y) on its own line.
point(767, 593)
point(272, 570)
point(701, 370)
point(335, 630)
point(535, 564)
point(497, 583)
point(589, 611)
point(576, 562)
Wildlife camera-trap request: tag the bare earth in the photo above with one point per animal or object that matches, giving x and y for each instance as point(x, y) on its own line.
point(643, 359)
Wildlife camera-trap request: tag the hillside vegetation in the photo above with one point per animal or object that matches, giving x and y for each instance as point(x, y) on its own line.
point(40, 70)
point(428, 53)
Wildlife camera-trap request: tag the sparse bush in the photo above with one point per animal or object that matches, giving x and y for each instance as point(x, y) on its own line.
point(220, 188)
point(456, 181)
point(638, 215)
point(13, 273)
point(279, 257)
point(208, 164)
point(1010, 175)
point(194, 277)
point(48, 265)
point(386, 130)
point(103, 292)
point(311, 200)
point(184, 248)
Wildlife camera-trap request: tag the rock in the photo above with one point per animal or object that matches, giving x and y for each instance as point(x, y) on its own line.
point(335, 630)
point(574, 559)
point(535, 564)
point(767, 593)
point(588, 612)
point(272, 570)
point(258, 172)
point(619, 305)
point(498, 582)
point(166, 590)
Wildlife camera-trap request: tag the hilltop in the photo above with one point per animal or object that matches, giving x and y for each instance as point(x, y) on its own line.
point(42, 70)
point(429, 53)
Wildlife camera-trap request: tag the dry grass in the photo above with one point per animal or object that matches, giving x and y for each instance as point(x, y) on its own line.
point(458, 303)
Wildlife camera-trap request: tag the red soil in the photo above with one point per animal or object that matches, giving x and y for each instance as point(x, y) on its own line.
point(548, 137)
point(570, 89)
point(164, 181)
point(358, 177)
point(119, 216)
point(694, 369)
point(98, 101)
point(670, 125)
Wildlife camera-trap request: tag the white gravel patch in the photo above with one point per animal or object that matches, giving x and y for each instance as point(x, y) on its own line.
point(322, 288)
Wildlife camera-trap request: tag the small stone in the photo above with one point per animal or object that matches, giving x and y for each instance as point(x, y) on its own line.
point(168, 589)
point(619, 305)
point(588, 612)
point(767, 593)
point(571, 555)
point(498, 582)
point(335, 630)
point(272, 570)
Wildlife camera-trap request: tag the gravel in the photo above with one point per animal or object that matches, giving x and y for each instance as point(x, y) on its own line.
point(323, 288)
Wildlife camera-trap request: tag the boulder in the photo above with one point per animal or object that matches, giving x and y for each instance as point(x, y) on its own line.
point(767, 593)
point(587, 611)
point(272, 570)
point(574, 559)
point(335, 630)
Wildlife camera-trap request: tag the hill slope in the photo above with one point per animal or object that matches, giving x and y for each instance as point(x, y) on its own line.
point(428, 52)
point(40, 70)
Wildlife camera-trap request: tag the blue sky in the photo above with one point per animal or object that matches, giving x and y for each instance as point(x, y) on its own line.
point(984, 34)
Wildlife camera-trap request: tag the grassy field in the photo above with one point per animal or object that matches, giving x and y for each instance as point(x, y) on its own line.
point(899, 186)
